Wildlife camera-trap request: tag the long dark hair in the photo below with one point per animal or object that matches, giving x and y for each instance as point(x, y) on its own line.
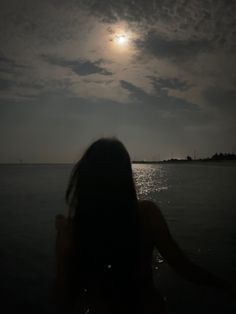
point(103, 204)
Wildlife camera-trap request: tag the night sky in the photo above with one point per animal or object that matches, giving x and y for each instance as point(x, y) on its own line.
point(159, 75)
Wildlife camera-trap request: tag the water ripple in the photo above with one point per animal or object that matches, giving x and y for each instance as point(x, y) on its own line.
point(149, 179)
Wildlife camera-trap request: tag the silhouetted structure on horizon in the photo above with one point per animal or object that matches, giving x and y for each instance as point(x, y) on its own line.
point(224, 156)
point(215, 157)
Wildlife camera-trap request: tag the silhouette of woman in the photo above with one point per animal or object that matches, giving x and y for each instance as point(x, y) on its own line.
point(105, 245)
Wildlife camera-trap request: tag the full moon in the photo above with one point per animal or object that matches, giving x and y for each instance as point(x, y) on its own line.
point(121, 40)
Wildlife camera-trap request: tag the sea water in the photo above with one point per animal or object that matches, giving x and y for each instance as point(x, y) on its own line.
point(198, 201)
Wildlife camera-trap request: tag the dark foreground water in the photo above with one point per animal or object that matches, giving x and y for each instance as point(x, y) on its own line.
point(197, 200)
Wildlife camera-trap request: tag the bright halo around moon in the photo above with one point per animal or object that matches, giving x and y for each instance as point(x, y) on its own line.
point(121, 40)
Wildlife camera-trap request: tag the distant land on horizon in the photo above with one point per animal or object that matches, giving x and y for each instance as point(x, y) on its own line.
point(215, 157)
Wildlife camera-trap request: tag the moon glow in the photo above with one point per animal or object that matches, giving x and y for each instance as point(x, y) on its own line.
point(121, 40)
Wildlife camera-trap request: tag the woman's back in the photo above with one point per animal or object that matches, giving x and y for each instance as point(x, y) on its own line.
point(130, 289)
point(118, 289)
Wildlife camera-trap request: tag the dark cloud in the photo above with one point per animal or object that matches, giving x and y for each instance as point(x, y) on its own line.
point(173, 49)
point(8, 65)
point(110, 11)
point(161, 100)
point(169, 83)
point(135, 91)
point(80, 67)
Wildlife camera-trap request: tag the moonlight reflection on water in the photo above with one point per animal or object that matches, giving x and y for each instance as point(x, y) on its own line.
point(149, 178)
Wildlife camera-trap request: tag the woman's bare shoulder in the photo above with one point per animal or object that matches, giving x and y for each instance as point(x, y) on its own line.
point(151, 213)
point(148, 206)
point(147, 210)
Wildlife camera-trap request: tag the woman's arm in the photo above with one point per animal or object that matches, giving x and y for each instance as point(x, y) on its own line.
point(171, 252)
